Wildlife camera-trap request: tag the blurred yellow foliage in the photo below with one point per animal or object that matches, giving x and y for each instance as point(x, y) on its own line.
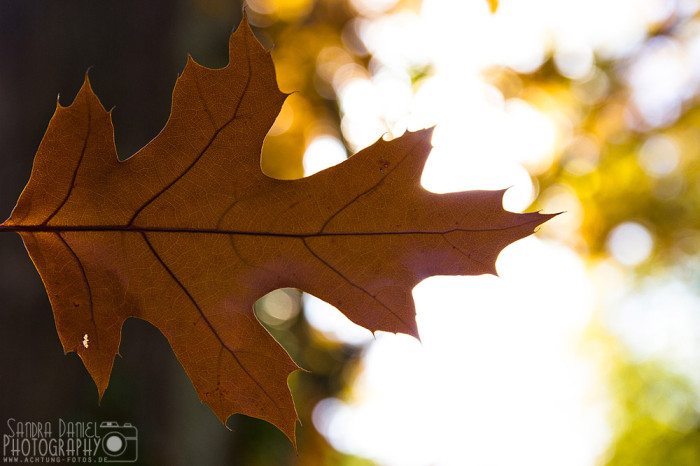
point(284, 10)
point(493, 5)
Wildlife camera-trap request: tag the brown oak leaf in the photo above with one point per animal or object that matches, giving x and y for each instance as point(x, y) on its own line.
point(188, 233)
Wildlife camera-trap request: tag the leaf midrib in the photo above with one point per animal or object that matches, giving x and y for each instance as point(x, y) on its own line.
point(42, 228)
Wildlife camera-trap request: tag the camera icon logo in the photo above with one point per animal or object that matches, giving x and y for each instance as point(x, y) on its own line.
point(119, 442)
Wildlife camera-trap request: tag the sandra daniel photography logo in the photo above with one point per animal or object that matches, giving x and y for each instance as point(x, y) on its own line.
point(69, 442)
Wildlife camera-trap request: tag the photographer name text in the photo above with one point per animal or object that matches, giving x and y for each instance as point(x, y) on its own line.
point(74, 439)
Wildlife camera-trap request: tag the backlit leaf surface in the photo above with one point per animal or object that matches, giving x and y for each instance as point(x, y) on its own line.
point(188, 233)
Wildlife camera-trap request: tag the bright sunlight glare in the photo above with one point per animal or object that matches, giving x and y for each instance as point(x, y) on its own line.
point(497, 360)
point(500, 358)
